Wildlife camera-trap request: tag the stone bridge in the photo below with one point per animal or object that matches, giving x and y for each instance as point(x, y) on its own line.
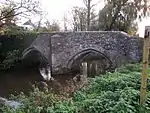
point(65, 51)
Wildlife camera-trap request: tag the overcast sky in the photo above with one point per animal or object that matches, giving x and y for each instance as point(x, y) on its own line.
point(57, 8)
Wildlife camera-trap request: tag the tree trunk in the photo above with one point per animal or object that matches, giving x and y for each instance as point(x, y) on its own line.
point(88, 15)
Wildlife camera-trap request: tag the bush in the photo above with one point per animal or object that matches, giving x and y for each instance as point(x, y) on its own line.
point(11, 47)
point(36, 102)
point(116, 92)
point(12, 59)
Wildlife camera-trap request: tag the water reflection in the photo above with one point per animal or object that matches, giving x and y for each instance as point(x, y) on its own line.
point(23, 81)
point(16, 82)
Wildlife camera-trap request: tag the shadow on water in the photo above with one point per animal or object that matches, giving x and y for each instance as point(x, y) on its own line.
point(17, 81)
point(23, 80)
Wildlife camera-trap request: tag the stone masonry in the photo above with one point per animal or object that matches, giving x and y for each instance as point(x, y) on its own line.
point(62, 49)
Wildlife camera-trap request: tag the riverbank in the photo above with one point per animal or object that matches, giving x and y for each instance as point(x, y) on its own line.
point(116, 92)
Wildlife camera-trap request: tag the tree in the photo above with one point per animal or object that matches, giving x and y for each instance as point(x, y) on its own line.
point(65, 23)
point(50, 27)
point(10, 19)
point(94, 21)
point(23, 8)
point(79, 18)
point(55, 26)
point(40, 21)
point(89, 7)
point(122, 14)
point(133, 29)
point(8, 24)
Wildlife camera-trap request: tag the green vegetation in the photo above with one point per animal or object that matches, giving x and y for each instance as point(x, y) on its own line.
point(12, 46)
point(116, 92)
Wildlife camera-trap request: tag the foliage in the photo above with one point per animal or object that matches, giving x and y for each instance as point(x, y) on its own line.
point(8, 23)
point(12, 46)
point(23, 8)
point(36, 102)
point(11, 60)
point(117, 15)
point(122, 14)
point(7, 11)
point(11, 11)
point(116, 92)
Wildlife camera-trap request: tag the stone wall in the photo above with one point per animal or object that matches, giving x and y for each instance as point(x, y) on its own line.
point(65, 47)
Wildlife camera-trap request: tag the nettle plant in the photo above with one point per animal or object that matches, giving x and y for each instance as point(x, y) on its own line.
point(116, 92)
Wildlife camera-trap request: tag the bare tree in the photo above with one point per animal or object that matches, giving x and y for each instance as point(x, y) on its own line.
point(79, 18)
point(89, 7)
point(50, 27)
point(38, 25)
point(65, 23)
point(23, 8)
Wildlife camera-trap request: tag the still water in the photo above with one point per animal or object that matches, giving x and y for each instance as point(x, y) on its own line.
point(23, 80)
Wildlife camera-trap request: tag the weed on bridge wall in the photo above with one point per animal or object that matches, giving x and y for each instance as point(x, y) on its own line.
point(116, 92)
point(11, 47)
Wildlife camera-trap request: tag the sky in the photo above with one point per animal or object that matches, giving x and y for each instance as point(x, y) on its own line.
point(142, 24)
point(58, 8)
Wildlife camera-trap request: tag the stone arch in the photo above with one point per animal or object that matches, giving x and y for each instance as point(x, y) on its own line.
point(33, 55)
point(88, 55)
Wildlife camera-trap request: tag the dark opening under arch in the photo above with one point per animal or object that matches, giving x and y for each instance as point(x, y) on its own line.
point(91, 56)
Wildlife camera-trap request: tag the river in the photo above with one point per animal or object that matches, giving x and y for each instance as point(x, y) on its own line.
point(23, 80)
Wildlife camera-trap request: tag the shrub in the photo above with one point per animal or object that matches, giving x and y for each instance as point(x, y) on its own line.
point(116, 92)
point(36, 102)
point(11, 60)
point(11, 47)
